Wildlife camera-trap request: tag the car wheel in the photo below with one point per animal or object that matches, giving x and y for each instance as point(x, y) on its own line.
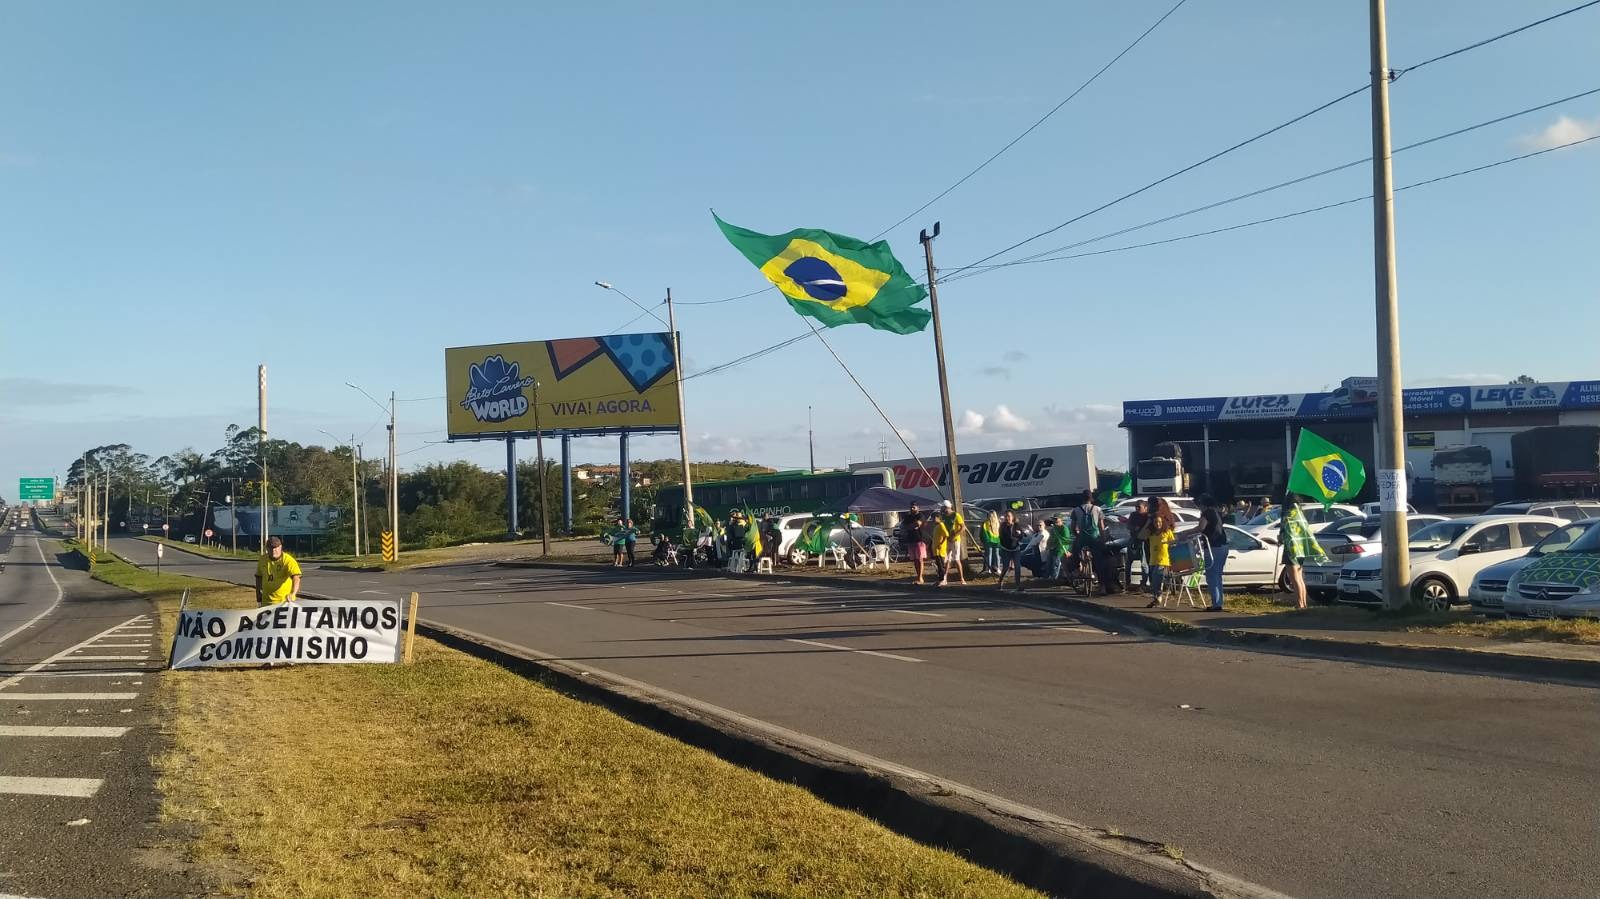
point(798, 556)
point(1435, 594)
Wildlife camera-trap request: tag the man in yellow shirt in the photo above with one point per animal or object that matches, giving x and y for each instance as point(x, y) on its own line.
point(947, 530)
point(277, 575)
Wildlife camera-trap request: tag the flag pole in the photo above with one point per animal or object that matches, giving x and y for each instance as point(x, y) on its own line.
point(683, 433)
point(952, 469)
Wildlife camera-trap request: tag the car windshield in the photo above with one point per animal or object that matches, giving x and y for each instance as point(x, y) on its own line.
point(1439, 534)
point(1588, 543)
point(1559, 540)
point(1268, 517)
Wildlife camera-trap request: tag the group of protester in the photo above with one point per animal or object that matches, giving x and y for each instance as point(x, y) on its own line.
point(1079, 543)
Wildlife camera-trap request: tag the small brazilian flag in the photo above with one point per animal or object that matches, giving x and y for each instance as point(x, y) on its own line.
point(1325, 472)
point(835, 279)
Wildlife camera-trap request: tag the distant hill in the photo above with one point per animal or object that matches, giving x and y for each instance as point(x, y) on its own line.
point(670, 471)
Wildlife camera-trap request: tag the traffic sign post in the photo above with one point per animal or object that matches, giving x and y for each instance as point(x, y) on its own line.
point(36, 489)
point(161, 550)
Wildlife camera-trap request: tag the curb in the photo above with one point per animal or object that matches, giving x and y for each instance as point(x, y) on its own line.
point(1034, 848)
point(1473, 661)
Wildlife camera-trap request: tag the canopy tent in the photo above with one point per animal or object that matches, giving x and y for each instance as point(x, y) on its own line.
point(878, 499)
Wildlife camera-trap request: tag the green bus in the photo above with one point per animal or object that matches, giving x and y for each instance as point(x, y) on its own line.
point(779, 493)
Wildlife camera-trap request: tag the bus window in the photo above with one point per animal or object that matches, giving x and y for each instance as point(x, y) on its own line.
point(805, 490)
point(745, 493)
point(835, 488)
point(776, 493)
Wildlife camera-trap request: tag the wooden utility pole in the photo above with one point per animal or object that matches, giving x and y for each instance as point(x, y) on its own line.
point(952, 469)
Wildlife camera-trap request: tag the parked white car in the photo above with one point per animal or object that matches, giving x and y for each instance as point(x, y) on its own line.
point(790, 526)
point(1445, 556)
point(1317, 517)
point(1347, 539)
point(1377, 509)
point(1488, 591)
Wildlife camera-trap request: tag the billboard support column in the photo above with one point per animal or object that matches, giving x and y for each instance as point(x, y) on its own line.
point(566, 484)
point(1288, 449)
point(1205, 434)
point(511, 487)
point(626, 477)
point(683, 429)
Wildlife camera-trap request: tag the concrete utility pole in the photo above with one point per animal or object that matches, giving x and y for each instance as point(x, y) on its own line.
point(1391, 411)
point(261, 429)
point(394, 483)
point(355, 500)
point(683, 429)
point(952, 469)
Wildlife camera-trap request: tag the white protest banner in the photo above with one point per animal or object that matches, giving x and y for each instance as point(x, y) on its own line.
point(301, 632)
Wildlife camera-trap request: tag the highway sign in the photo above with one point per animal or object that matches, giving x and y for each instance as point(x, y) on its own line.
point(36, 488)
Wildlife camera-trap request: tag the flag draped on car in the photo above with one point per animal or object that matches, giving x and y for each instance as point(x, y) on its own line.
point(835, 279)
point(1325, 472)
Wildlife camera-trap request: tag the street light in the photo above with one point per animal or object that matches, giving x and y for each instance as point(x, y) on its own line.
point(394, 476)
point(607, 285)
point(355, 493)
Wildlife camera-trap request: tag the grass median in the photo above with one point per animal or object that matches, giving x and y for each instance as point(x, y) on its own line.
point(454, 777)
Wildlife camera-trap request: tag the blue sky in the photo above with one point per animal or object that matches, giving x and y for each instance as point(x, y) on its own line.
point(342, 190)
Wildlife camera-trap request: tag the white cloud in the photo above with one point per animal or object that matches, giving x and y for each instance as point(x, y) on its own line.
point(1564, 130)
point(971, 423)
point(995, 371)
point(1006, 420)
point(36, 392)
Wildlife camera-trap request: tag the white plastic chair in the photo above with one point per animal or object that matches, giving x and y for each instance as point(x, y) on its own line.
point(764, 565)
point(878, 556)
point(837, 555)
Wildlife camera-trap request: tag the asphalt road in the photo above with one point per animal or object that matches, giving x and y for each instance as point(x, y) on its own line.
point(78, 732)
point(1312, 777)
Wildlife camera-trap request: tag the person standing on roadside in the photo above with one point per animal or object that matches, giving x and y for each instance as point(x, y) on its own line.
point(618, 538)
point(1215, 544)
point(1158, 534)
point(1299, 544)
point(911, 540)
point(631, 535)
point(1011, 539)
point(1137, 519)
point(947, 530)
point(735, 540)
point(277, 575)
point(991, 543)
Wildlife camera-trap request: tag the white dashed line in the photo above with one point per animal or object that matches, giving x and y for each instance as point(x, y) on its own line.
point(38, 545)
point(793, 602)
point(566, 605)
point(76, 787)
point(25, 730)
point(909, 612)
point(865, 652)
point(77, 658)
point(52, 697)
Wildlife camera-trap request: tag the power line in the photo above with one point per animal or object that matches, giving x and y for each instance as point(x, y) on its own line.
point(723, 300)
point(1282, 184)
point(1489, 40)
point(1029, 130)
point(1164, 179)
point(1302, 212)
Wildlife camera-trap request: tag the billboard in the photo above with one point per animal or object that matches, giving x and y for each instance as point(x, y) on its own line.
point(36, 489)
point(586, 385)
point(1007, 474)
point(282, 521)
point(1352, 401)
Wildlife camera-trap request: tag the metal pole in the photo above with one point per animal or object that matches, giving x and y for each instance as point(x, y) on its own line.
point(538, 459)
point(683, 428)
point(625, 477)
point(355, 502)
point(952, 468)
point(811, 440)
point(1205, 433)
point(566, 484)
point(233, 512)
point(261, 427)
point(1391, 449)
point(511, 487)
point(394, 483)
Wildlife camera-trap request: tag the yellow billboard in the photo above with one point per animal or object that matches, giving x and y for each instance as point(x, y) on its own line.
point(583, 384)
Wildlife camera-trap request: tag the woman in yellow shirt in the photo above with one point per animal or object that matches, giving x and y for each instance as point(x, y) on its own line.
point(1158, 534)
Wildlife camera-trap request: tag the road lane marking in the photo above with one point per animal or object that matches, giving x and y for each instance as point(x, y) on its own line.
point(379, 592)
point(59, 595)
point(78, 658)
point(51, 697)
point(29, 730)
point(909, 612)
point(75, 787)
point(567, 605)
point(122, 646)
point(65, 654)
point(865, 652)
point(24, 674)
point(793, 602)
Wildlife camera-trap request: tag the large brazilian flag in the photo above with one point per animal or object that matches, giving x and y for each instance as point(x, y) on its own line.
point(835, 279)
point(1325, 472)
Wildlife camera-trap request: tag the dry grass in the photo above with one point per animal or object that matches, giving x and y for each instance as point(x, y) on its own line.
point(453, 777)
point(1585, 631)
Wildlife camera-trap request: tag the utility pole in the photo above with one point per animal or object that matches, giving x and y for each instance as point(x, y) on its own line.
point(1391, 411)
point(233, 513)
point(538, 455)
point(683, 432)
point(355, 501)
point(952, 469)
point(394, 483)
point(811, 440)
point(363, 545)
point(261, 435)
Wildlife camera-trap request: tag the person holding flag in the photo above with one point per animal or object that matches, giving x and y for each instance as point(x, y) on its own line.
point(1299, 545)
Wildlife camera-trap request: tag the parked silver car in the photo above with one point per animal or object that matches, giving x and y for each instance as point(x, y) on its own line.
point(1347, 539)
point(1488, 590)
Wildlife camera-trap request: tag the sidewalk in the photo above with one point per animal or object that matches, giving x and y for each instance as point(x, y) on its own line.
point(1329, 631)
